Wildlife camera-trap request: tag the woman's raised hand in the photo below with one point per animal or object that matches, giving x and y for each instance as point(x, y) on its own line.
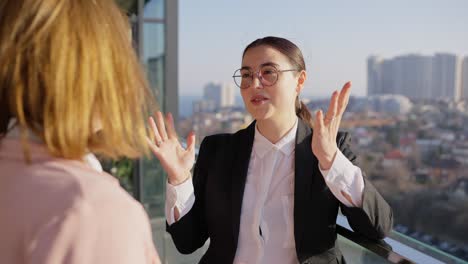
point(326, 128)
point(176, 160)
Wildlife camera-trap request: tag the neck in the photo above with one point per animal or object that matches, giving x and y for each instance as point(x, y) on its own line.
point(274, 130)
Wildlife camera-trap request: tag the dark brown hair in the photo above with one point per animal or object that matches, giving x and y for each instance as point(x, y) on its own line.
point(295, 57)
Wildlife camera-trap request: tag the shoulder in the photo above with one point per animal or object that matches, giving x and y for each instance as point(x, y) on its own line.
point(216, 140)
point(52, 192)
point(220, 147)
point(225, 140)
point(72, 185)
point(343, 141)
point(343, 137)
point(101, 190)
point(99, 200)
point(212, 146)
point(96, 216)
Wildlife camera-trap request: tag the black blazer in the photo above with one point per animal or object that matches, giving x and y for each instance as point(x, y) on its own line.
point(219, 179)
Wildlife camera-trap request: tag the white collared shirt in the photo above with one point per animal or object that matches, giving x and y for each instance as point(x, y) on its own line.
point(266, 233)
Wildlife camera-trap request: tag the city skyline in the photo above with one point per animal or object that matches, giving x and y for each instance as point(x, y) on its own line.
point(440, 76)
point(335, 37)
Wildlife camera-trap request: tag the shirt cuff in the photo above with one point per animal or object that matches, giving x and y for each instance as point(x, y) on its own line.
point(344, 176)
point(180, 196)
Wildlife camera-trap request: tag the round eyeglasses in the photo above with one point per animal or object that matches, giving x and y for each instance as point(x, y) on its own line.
point(267, 74)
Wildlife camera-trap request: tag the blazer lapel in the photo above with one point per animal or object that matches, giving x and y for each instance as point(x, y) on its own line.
point(304, 162)
point(243, 143)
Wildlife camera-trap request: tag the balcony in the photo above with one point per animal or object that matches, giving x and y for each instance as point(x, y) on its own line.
point(397, 248)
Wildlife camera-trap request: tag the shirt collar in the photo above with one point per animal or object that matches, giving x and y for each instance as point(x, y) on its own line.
point(14, 132)
point(286, 144)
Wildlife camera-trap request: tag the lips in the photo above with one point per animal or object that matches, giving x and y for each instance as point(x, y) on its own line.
point(258, 99)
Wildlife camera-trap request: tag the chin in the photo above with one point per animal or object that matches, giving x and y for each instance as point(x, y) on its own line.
point(260, 114)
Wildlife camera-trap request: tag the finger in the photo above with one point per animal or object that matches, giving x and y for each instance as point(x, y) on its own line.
point(154, 148)
point(161, 125)
point(332, 108)
point(319, 120)
point(191, 142)
point(344, 98)
point(171, 132)
point(154, 128)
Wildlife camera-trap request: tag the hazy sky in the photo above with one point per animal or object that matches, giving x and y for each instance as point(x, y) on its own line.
point(336, 37)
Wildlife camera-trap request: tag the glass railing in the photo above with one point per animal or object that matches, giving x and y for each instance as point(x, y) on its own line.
point(358, 249)
point(397, 248)
point(355, 248)
point(355, 253)
point(426, 249)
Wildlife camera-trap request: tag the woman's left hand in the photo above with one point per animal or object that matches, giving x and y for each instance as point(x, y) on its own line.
point(326, 128)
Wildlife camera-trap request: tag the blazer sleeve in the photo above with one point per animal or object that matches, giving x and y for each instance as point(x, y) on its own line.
point(375, 218)
point(190, 233)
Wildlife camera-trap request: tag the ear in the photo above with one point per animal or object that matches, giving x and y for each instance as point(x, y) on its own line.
point(301, 81)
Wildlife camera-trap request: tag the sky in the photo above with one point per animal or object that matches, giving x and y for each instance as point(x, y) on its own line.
point(335, 37)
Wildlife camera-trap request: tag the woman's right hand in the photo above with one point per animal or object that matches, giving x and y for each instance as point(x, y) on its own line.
point(176, 161)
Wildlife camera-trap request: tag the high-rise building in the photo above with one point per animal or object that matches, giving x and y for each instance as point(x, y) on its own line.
point(411, 76)
point(374, 75)
point(415, 76)
point(408, 75)
point(425, 80)
point(464, 77)
point(446, 76)
point(222, 94)
point(203, 106)
point(388, 77)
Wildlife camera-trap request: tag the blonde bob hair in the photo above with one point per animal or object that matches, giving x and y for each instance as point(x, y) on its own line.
point(68, 68)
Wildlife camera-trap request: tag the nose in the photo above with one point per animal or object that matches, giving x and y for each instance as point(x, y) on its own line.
point(256, 81)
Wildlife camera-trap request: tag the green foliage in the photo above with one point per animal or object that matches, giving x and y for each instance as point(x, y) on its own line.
point(121, 169)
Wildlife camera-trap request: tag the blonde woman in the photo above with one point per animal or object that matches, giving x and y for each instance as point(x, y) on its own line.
point(67, 71)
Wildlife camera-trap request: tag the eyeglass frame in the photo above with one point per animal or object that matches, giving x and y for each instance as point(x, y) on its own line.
point(259, 76)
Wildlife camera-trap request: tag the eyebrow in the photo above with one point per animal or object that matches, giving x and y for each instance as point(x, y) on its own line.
point(261, 65)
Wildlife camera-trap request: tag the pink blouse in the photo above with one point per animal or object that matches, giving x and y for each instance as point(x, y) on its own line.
point(62, 211)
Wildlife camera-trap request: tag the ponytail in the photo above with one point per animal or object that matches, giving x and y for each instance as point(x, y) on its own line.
point(303, 113)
